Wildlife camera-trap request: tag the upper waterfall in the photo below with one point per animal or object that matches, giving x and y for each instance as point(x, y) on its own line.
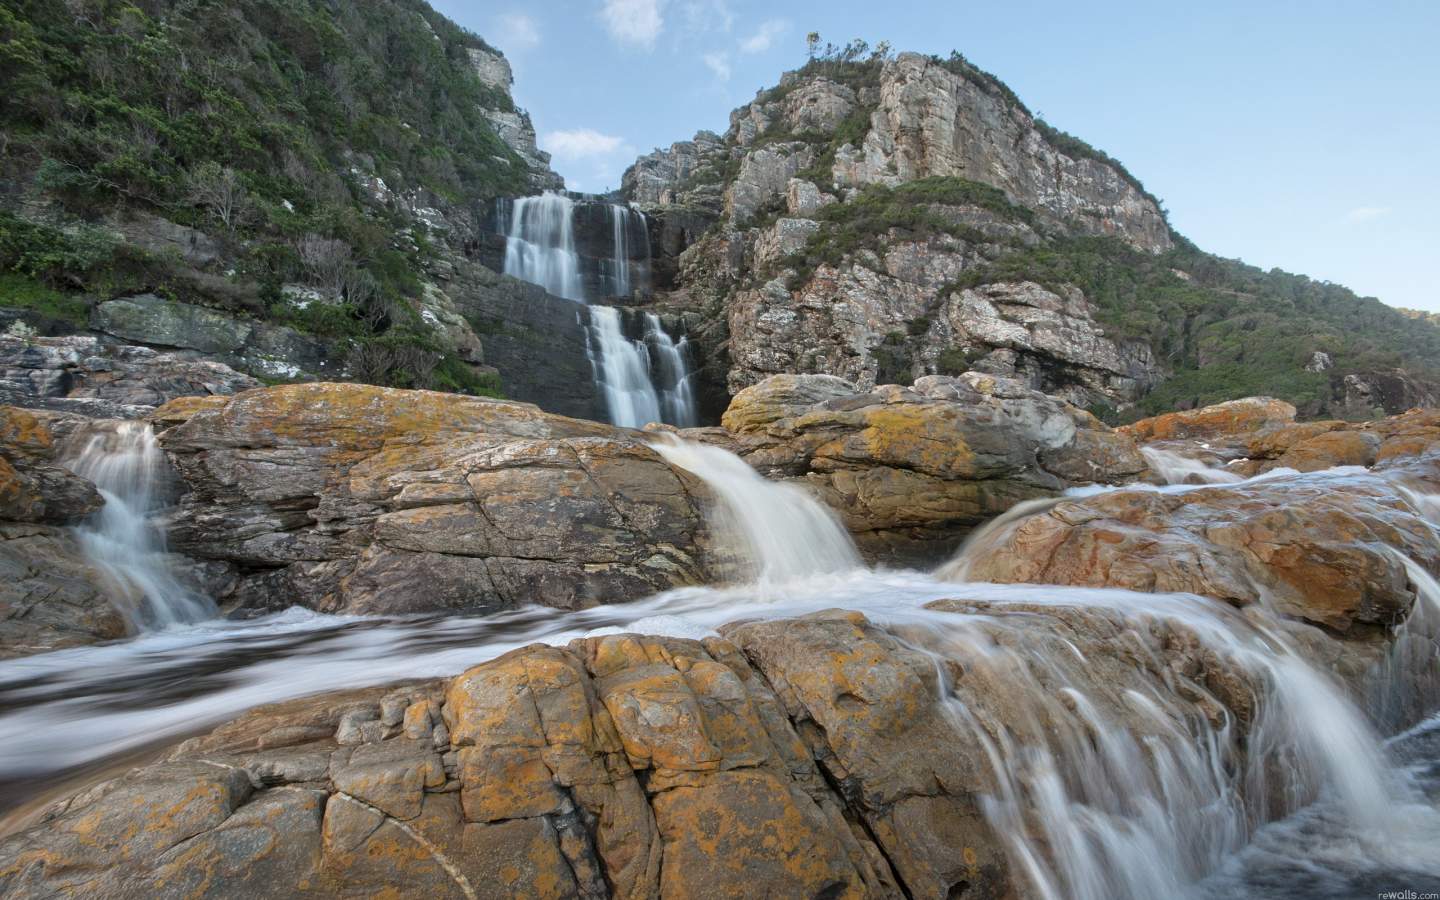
point(644, 379)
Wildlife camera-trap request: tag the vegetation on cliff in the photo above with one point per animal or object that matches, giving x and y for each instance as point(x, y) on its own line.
point(284, 129)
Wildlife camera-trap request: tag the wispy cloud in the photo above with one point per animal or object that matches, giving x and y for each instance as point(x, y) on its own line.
point(634, 21)
point(1362, 214)
point(517, 33)
point(719, 63)
point(762, 40)
point(582, 143)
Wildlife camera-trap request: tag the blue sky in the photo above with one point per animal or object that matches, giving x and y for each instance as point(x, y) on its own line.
point(1298, 135)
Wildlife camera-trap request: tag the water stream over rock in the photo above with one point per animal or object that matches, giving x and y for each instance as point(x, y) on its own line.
point(124, 461)
point(1121, 744)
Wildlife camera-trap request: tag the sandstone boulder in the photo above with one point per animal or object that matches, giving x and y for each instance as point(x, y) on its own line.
point(819, 757)
point(1221, 420)
point(357, 499)
point(1327, 550)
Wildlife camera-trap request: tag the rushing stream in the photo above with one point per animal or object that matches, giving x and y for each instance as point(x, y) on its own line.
point(1110, 781)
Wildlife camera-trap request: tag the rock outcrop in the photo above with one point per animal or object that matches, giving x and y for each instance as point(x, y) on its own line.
point(90, 377)
point(356, 499)
point(1321, 550)
point(878, 303)
point(911, 470)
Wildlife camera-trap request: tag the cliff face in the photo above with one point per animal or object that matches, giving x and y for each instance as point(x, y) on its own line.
point(884, 219)
point(791, 176)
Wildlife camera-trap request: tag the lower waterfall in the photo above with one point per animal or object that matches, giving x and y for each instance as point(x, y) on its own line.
point(643, 381)
point(1112, 770)
point(121, 540)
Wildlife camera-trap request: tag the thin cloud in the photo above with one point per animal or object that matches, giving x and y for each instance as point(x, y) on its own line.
point(518, 33)
point(719, 63)
point(1363, 214)
point(634, 21)
point(762, 40)
point(582, 143)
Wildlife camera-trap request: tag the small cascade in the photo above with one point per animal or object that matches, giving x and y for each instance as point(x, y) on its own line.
point(673, 376)
point(778, 531)
point(1178, 469)
point(639, 388)
point(126, 463)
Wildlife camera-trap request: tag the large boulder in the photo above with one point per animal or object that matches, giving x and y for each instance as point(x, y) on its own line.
point(358, 499)
point(1221, 420)
point(1327, 549)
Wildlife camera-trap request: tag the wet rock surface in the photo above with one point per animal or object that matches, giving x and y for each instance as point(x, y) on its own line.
point(1327, 550)
point(356, 499)
point(814, 757)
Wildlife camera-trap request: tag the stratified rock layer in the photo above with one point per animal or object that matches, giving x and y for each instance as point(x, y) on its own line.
point(357, 499)
point(50, 596)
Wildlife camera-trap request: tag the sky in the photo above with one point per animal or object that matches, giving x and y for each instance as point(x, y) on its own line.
point(1297, 135)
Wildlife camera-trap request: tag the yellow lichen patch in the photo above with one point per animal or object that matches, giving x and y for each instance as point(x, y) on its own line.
point(24, 435)
point(927, 439)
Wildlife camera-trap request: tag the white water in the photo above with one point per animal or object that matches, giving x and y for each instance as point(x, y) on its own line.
point(540, 248)
point(622, 371)
point(779, 530)
point(121, 540)
point(1178, 469)
point(540, 244)
point(674, 379)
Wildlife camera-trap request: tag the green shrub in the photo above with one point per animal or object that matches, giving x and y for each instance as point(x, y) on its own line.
point(17, 290)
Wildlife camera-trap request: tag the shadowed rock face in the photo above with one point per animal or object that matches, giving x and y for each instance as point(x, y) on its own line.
point(356, 499)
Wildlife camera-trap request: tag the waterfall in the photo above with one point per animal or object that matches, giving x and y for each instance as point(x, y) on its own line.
point(777, 530)
point(622, 370)
point(540, 244)
point(540, 248)
point(126, 463)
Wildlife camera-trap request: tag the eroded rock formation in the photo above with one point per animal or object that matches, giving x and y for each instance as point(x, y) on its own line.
point(350, 498)
point(812, 758)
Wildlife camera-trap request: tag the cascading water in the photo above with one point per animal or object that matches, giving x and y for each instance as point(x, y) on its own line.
point(540, 248)
point(540, 244)
point(125, 462)
point(779, 530)
point(1129, 745)
point(674, 379)
point(1178, 469)
point(622, 370)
